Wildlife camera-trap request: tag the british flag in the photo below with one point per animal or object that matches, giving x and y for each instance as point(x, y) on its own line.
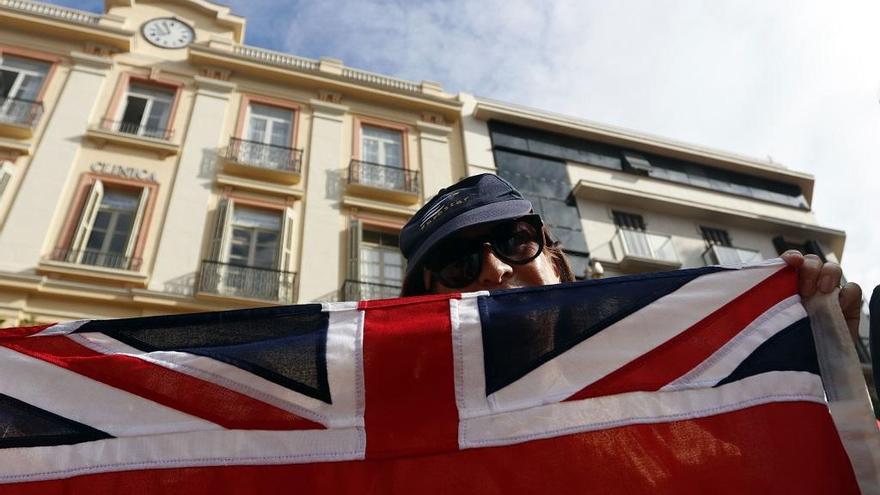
point(694, 381)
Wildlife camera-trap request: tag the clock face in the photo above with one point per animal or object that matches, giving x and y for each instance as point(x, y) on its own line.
point(166, 32)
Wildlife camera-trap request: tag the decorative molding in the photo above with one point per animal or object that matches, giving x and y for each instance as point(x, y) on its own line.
point(433, 118)
point(330, 96)
point(99, 50)
point(220, 88)
point(90, 63)
point(215, 73)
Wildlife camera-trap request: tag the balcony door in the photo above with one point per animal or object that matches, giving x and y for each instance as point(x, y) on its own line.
point(632, 228)
point(147, 111)
point(252, 255)
point(376, 266)
point(108, 227)
point(20, 84)
point(382, 150)
point(269, 132)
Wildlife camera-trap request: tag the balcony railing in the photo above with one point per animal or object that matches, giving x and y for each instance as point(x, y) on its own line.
point(263, 155)
point(46, 10)
point(727, 255)
point(251, 282)
point(93, 257)
point(20, 112)
point(136, 129)
point(383, 176)
point(355, 290)
point(644, 248)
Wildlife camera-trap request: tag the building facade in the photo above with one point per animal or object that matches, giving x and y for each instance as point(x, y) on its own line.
point(152, 163)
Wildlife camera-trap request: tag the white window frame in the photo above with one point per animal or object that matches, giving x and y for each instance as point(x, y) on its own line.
point(16, 86)
point(382, 159)
point(89, 212)
point(150, 97)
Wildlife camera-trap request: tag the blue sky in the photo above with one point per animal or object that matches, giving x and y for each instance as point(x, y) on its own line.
point(798, 80)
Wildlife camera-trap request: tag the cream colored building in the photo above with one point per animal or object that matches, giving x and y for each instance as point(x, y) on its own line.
point(152, 163)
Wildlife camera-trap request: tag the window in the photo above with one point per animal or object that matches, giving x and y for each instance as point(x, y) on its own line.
point(632, 228)
point(376, 266)
point(108, 227)
point(268, 137)
point(715, 237)
point(146, 112)
point(249, 253)
point(255, 237)
point(5, 176)
point(721, 251)
point(20, 83)
point(382, 157)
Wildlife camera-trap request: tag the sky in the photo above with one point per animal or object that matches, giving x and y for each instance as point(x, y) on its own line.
point(797, 82)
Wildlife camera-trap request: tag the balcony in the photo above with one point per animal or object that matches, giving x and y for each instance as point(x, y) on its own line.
point(246, 282)
point(96, 258)
point(134, 135)
point(262, 161)
point(639, 251)
point(383, 182)
point(727, 255)
point(18, 117)
point(355, 290)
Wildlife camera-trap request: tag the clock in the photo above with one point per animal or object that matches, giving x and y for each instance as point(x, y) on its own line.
point(167, 32)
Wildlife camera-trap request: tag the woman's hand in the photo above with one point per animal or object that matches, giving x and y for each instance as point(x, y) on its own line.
point(817, 277)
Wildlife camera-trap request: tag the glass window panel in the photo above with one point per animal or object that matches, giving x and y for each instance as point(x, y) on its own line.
point(7, 80)
point(158, 118)
point(120, 200)
point(256, 129)
point(118, 242)
point(255, 217)
point(96, 240)
point(134, 112)
point(371, 151)
point(102, 220)
point(280, 133)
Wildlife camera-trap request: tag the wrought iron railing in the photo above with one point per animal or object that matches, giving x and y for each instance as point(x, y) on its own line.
point(251, 282)
point(94, 257)
point(264, 155)
point(727, 255)
point(646, 245)
point(136, 129)
point(20, 111)
point(383, 176)
point(356, 290)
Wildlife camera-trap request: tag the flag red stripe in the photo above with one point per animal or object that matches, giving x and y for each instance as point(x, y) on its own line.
point(15, 333)
point(409, 381)
point(775, 448)
point(191, 395)
point(682, 353)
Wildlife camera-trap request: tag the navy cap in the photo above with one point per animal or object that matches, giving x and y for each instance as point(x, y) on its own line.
point(472, 201)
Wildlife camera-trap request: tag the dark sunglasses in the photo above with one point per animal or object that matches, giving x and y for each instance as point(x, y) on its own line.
point(457, 262)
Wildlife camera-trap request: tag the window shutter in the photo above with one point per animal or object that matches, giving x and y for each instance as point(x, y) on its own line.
point(355, 237)
point(136, 226)
point(5, 176)
point(286, 239)
point(86, 220)
point(221, 227)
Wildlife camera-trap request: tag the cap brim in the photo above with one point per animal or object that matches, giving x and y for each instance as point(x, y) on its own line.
point(493, 212)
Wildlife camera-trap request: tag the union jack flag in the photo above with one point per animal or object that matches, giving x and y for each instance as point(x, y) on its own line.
point(700, 380)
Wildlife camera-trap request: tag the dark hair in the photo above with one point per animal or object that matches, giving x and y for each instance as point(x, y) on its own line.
point(414, 285)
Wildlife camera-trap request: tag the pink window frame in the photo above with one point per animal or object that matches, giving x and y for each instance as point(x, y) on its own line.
point(122, 84)
point(85, 184)
point(404, 130)
point(53, 60)
point(247, 99)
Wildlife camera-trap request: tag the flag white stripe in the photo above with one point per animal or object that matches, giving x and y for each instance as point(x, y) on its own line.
point(201, 448)
point(61, 328)
point(66, 393)
point(629, 338)
point(343, 343)
point(467, 345)
point(613, 411)
point(725, 360)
